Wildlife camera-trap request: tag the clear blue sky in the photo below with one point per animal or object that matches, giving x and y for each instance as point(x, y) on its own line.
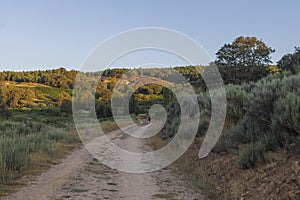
point(54, 33)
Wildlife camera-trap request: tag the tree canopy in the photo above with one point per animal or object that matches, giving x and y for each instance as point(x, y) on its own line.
point(290, 61)
point(244, 51)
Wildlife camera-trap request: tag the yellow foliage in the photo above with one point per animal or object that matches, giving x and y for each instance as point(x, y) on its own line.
point(274, 69)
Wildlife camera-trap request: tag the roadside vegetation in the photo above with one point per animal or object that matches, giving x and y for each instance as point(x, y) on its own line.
point(263, 106)
point(262, 115)
point(261, 132)
point(30, 142)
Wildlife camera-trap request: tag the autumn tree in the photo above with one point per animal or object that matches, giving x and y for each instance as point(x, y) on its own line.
point(244, 51)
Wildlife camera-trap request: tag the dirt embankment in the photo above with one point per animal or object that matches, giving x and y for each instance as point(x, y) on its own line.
point(221, 177)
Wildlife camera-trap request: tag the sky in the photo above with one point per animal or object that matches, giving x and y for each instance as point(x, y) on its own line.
point(49, 34)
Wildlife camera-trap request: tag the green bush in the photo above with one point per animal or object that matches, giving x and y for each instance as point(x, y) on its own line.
point(5, 113)
point(254, 152)
point(103, 109)
point(53, 92)
point(203, 126)
point(251, 154)
point(19, 139)
point(55, 134)
point(261, 116)
point(260, 103)
point(269, 117)
point(173, 119)
point(286, 120)
point(204, 104)
point(14, 153)
point(225, 143)
point(240, 74)
point(291, 62)
point(39, 143)
point(52, 111)
point(236, 96)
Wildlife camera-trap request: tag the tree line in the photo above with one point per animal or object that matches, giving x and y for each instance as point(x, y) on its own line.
point(246, 59)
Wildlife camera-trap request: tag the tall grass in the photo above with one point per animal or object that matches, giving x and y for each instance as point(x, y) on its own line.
point(20, 139)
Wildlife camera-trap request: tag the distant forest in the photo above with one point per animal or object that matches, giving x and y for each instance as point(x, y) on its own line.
point(245, 60)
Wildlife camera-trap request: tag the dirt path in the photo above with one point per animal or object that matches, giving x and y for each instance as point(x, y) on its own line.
point(79, 176)
point(53, 179)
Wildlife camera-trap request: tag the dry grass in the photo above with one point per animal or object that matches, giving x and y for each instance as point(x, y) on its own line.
point(109, 126)
point(24, 84)
point(168, 196)
point(156, 142)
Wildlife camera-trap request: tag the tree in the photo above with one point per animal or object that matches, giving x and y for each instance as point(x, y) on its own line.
point(64, 101)
point(63, 96)
point(244, 51)
point(291, 62)
point(66, 106)
point(106, 95)
point(145, 89)
point(103, 109)
point(133, 105)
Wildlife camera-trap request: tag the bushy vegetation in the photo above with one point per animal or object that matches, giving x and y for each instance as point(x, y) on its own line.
point(240, 74)
point(261, 116)
point(20, 140)
point(18, 97)
point(269, 118)
point(290, 61)
point(262, 111)
point(53, 92)
point(60, 78)
point(173, 120)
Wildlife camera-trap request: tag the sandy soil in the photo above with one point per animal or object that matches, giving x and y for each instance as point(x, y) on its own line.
point(79, 176)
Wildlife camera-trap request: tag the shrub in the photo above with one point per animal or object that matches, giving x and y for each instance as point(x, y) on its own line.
point(19, 139)
point(5, 113)
point(39, 143)
point(254, 152)
point(55, 134)
point(203, 126)
point(14, 153)
point(271, 117)
point(260, 103)
point(204, 104)
point(286, 121)
point(103, 109)
point(240, 74)
point(52, 111)
point(225, 143)
point(290, 61)
point(251, 154)
point(236, 96)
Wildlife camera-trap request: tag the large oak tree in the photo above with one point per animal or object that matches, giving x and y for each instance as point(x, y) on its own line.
point(244, 51)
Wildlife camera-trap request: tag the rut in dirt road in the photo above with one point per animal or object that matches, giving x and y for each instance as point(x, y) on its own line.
point(79, 176)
